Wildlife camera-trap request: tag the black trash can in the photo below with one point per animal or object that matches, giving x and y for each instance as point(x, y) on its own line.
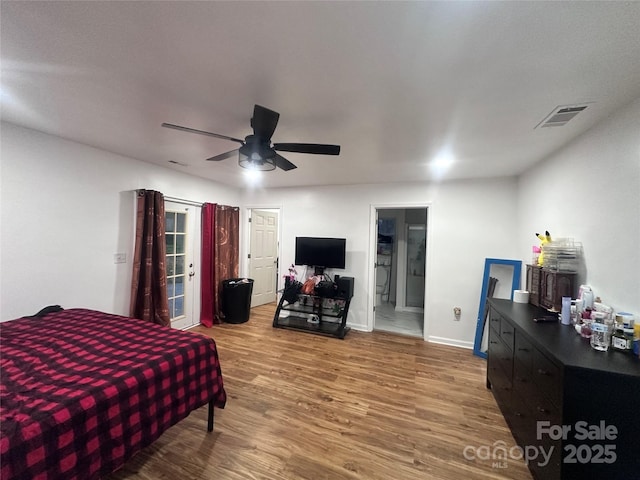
point(236, 299)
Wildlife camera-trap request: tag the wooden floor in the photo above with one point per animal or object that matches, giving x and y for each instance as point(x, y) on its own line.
point(302, 406)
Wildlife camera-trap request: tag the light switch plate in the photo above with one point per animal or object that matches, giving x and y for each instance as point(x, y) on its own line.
point(120, 258)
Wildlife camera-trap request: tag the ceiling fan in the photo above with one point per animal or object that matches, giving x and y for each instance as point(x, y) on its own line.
point(256, 151)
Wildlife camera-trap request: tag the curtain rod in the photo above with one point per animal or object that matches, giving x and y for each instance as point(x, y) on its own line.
point(182, 200)
point(189, 202)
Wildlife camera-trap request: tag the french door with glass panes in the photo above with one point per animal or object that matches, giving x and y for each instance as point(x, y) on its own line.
point(182, 236)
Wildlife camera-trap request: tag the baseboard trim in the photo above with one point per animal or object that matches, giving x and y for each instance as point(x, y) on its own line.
point(452, 342)
point(358, 326)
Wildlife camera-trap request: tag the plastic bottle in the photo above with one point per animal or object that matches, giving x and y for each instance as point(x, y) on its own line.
point(565, 314)
point(601, 333)
point(586, 294)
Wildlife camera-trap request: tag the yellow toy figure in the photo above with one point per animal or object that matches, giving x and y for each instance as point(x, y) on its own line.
point(544, 239)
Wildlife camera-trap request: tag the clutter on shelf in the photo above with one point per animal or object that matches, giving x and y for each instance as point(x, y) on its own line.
point(602, 325)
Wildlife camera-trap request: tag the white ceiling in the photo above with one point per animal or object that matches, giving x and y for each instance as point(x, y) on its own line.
point(393, 83)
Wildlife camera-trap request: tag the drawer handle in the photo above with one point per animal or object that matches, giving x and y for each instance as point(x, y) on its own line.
point(543, 410)
point(542, 372)
point(523, 349)
point(493, 341)
point(518, 414)
point(507, 333)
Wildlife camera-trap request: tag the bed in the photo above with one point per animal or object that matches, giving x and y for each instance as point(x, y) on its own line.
point(82, 391)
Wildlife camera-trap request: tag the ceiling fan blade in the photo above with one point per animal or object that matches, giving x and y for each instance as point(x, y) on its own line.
point(315, 148)
point(283, 163)
point(264, 122)
point(223, 156)
point(201, 132)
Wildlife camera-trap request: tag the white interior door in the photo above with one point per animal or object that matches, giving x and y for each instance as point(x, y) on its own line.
point(263, 261)
point(182, 236)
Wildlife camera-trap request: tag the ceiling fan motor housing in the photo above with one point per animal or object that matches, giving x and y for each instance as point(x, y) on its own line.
point(257, 148)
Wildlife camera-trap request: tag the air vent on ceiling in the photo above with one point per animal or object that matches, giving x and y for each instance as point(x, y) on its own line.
point(561, 115)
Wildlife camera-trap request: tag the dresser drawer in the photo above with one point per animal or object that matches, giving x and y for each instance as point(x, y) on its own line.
point(494, 322)
point(522, 419)
point(543, 408)
point(499, 378)
point(501, 356)
point(547, 377)
point(523, 353)
point(523, 381)
point(507, 333)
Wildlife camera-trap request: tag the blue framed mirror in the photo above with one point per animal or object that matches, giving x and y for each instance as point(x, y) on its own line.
point(501, 277)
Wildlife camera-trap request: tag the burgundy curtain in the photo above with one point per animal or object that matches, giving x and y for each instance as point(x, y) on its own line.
point(149, 283)
point(220, 257)
point(207, 272)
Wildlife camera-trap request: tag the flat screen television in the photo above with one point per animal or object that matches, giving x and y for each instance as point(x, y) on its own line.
point(321, 252)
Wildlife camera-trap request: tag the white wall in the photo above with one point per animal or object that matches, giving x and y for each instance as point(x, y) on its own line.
point(468, 222)
point(590, 191)
point(66, 209)
point(51, 253)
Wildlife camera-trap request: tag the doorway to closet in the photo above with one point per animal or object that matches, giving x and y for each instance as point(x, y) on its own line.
point(400, 269)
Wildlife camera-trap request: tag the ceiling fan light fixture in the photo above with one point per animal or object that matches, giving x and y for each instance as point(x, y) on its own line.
point(256, 162)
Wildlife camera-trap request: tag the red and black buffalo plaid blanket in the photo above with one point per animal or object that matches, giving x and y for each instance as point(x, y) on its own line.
point(82, 391)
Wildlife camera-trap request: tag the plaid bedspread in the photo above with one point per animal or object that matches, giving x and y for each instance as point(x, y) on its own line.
point(82, 391)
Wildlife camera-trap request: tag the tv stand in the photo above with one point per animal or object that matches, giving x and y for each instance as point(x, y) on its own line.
point(314, 314)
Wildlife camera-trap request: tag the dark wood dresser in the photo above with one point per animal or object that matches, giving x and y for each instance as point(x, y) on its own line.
point(546, 379)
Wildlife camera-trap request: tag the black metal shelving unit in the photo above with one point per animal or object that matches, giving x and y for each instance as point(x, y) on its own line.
point(331, 321)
